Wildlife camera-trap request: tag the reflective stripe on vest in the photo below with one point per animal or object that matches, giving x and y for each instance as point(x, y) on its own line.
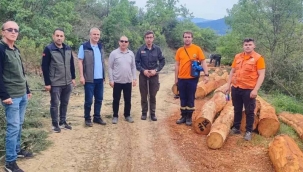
point(246, 72)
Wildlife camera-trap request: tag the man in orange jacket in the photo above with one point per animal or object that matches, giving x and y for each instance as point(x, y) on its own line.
point(246, 77)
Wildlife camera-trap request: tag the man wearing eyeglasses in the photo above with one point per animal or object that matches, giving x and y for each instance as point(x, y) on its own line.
point(14, 94)
point(149, 61)
point(122, 76)
point(187, 84)
point(92, 76)
point(59, 78)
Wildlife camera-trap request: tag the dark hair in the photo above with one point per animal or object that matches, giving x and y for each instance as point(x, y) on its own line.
point(188, 32)
point(60, 29)
point(248, 40)
point(148, 33)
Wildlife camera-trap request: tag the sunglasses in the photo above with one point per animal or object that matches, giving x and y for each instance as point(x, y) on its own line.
point(122, 41)
point(11, 30)
point(187, 37)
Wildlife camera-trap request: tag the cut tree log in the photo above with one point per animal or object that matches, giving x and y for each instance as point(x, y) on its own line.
point(285, 154)
point(203, 121)
point(268, 121)
point(221, 127)
point(256, 121)
point(294, 120)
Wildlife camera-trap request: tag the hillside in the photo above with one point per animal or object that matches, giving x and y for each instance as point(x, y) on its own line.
point(218, 25)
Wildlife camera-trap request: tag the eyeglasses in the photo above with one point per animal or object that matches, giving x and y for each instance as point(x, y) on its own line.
point(122, 41)
point(11, 30)
point(149, 37)
point(187, 37)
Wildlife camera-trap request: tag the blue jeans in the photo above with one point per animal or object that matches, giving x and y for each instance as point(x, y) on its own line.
point(14, 119)
point(93, 90)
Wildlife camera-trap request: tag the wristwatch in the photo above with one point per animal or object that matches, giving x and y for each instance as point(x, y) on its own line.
point(206, 74)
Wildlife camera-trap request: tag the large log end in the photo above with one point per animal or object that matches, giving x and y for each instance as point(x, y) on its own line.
point(202, 125)
point(214, 140)
point(285, 154)
point(268, 127)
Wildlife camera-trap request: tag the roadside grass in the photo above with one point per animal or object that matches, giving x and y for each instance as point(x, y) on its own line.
point(34, 137)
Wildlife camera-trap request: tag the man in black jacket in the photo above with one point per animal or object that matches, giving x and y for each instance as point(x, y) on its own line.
point(14, 94)
point(149, 61)
point(59, 78)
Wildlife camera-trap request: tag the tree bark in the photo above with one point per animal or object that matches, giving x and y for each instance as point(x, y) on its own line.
point(294, 120)
point(221, 127)
point(285, 154)
point(203, 121)
point(268, 121)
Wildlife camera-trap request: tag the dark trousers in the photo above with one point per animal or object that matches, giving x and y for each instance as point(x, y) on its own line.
point(217, 63)
point(93, 90)
point(59, 94)
point(187, 90)
point(127, 92)
point(240, 97)
point(153, 89)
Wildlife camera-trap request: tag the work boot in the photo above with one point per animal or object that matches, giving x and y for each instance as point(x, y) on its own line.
point(182, 119)
point(153, 117)
point(144, 116)
point(188, 118)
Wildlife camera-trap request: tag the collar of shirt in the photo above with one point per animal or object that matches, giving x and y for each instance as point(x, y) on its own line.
point(146, 48)
point(123, 52)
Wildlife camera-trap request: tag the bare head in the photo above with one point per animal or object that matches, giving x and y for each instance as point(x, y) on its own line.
point(187, 38)
point(58, 37)
point(94, 35)
point(10, 31)
point(149, 38)
point(248, 45)
point(123, 43)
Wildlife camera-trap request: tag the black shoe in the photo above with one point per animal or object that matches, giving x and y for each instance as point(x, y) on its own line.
point(143, 117)
point(88, 123)
point(188, 119)
point(64, 125)
point(24, 154)
point(99, 121)
point(56, 128)
point(153, 117)
point(12, 167)
point(181, 120)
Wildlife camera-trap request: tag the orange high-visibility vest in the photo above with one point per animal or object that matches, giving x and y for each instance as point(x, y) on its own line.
point(246, 72)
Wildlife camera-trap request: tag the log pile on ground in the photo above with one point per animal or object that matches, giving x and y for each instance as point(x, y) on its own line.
point(293, 120)
point(215, 81)
point(268, 121)
point(256, 121)
point(221, 127)
point(285, 154)
point(203, 121)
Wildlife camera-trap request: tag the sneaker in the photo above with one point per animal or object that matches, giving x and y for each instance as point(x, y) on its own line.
point(115, 120)
point(235, 131)
point(64, 125)
point(99, 121)
point(129, 119)
point(88, 123)
point(12, 167)
point(24, 154)
point(143, 117)
point(247, 136)
point(56, 128)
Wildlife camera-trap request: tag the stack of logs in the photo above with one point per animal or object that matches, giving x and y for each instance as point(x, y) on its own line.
point(217, 116)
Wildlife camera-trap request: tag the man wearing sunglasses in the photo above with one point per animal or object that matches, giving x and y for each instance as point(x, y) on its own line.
point(14, 94)
point(59, 78)
point(149, 61)
point(122, 76)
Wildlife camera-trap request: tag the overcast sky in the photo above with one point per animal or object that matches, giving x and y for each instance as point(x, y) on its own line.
point(207, 9)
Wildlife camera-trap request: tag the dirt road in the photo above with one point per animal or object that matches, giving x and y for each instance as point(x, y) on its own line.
point(160, 146)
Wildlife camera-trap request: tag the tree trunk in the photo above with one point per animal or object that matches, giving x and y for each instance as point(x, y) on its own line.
point(203, 121)
point(294, 120)
point(221, 127)
point(256, 121)
point(285, 154)
point(268, 122)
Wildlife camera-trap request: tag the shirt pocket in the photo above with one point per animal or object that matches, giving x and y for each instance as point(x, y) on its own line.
point(250, 66)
